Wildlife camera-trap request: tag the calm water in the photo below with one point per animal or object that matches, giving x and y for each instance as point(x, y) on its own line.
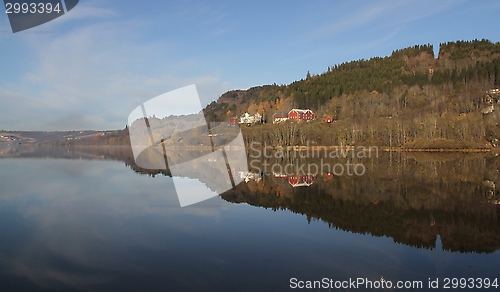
point(86, 220)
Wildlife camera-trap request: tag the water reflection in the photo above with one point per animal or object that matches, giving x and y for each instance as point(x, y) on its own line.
point(88, 224)
point(411, 197)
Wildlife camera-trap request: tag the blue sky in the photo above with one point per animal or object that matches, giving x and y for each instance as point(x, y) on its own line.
point(91, 67)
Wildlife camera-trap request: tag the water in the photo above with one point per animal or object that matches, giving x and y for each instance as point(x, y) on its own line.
point(85, 220)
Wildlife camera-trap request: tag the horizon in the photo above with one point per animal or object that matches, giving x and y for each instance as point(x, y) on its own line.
point(88, 69)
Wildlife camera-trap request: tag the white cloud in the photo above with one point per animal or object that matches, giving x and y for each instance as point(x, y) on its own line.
point(382, 14)
point(95, 75)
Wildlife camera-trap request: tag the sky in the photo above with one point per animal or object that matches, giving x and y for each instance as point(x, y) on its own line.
point(90, 68)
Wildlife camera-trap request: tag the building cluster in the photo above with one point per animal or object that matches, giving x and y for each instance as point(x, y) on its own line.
point(279, 117)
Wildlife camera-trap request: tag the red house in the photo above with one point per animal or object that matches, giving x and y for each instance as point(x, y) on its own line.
point(234, 121)
point(301, 181)
point(329, 119)
point(301, 115)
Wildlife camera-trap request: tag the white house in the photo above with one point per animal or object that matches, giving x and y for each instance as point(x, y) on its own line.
point(247, 118)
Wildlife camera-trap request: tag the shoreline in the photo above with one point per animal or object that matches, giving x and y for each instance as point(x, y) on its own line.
point(299, 148)
point(381, 148)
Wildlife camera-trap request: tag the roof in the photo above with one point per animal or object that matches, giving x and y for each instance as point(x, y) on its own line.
point(301, 111)
point(301, 184)
point(280, 115)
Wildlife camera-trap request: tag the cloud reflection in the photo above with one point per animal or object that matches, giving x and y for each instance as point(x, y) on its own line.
point(79, 220)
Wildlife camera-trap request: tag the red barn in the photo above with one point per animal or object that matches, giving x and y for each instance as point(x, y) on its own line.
point(329, 119)
point(301, 115)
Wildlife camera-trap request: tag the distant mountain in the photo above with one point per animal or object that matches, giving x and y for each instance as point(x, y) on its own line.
point(41, 137)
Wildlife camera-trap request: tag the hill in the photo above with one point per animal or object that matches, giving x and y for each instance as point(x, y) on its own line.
point(399, 100)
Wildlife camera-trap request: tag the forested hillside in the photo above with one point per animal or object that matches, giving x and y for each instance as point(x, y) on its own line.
point(410, 98)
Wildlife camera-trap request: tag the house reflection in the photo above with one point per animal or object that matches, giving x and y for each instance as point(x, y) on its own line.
point(246, 176)
point(295, 180)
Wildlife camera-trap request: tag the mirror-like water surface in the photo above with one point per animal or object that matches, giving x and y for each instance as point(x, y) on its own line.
point(88, 219)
